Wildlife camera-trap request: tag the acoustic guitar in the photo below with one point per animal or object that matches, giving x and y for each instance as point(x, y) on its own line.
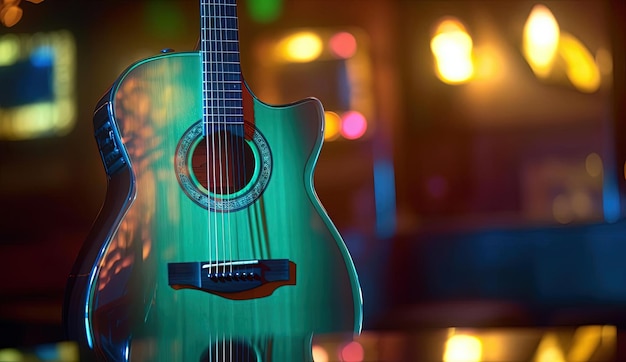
point(211, 244)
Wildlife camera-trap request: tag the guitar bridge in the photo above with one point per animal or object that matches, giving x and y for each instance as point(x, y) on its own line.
point(233, 280)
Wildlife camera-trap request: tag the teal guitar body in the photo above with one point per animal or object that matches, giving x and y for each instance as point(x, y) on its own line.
point(211, 244)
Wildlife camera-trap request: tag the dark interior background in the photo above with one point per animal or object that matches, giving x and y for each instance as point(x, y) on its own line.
point(446, 204)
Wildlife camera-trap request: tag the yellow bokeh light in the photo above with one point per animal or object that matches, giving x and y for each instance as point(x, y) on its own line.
point(541, 40)
point(462, 348)
point(301, 47)
point(9, 49)
point(11, 355)
point(452, 48)
point(580, 65)
point(332, 125)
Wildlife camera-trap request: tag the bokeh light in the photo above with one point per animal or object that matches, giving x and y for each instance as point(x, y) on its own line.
point(11, 15)
point(549, 349)
point(343, 45)
point(265, 11)
point(462, 348)
point(452, 49)
point(319, 354)
point(352, 352)
point(593, 165)
point(301, 47)
point(580, 65)
point(353, 125)
point(9, 49)
point(332, 125)
point(541, 40)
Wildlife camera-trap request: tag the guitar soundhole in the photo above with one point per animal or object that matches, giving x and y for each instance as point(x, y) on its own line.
point(232, 351)
point(230, 161)
point(226, 170)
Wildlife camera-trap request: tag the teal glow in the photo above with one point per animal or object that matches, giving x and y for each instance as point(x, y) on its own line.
point(264, 11)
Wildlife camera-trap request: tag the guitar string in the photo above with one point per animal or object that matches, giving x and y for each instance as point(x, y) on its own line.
point(220, 76)
point(234, 69)
point(208, 118)
point(207, 63)
point(224, 30)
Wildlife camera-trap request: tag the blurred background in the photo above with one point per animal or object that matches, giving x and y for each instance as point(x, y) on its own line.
point(474, 162)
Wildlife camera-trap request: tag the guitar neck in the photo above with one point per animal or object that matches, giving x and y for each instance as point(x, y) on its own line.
point(221, 68)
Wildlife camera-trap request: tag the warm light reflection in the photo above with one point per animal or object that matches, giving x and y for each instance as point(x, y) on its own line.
point(584, 343)
point(541, 40)
point(301, 47)
point(580, 66)
point(319, 354)
point(462, 348)
point(332, 126)
point(134, 234)
point(549, 349)
point(452, 49)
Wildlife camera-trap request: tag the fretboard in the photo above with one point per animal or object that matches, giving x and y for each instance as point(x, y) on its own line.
point(221, 69)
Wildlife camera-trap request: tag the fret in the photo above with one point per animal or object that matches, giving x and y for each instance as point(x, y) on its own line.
point(219, 34)
point(229, 103)
point(222, 57)
point(230, 82)
point(223, 46)
point(222, 77)
point(208, 17)
point(210, 111)
point(221, 86)
point(220, 23)
point(224, 10)
point(224, 41)
point(218, 72)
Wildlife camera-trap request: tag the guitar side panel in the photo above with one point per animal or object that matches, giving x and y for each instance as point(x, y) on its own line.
point(119, 196)
point(132, 312)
